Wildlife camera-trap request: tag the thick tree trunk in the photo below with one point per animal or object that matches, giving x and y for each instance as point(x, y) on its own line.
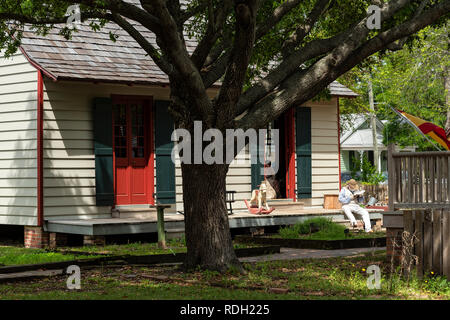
point(208, 236)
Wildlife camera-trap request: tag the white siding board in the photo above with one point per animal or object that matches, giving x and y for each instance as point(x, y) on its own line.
point(18, 219)
point(20, 97)
point(18, 145)
point(18, 154)
point(69, 144)
point(19, 77)
point(68, 192)
point(18, 163)
point(18, 135)
point(17, 116)
point(18, 87)
point(17, 106)
point(16, 201)
point(81, 211)
point(69, 173)
point(18, 173)
point(17, 126)
point(69, 154)
point(16, 68)
point(68, 115)
point(69, 201)
point(20, 192)
point(18, 211)
point(67, 125)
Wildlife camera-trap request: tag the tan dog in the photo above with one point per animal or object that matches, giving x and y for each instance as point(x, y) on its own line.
point(259, 197)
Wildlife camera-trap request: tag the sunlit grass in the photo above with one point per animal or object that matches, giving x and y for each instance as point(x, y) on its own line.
point(328, 230)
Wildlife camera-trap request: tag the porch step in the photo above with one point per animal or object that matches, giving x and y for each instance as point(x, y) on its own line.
point(360, 225)
point(133, 213)
point(174, 233)
point(285, 204)
point(347, 224)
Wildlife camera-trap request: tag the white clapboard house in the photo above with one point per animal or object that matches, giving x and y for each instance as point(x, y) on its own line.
point(85, 130)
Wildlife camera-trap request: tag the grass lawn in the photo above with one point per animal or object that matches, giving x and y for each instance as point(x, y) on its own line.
point(18, 255)
point(336, 278)
point(325, 230)
point(12, 255)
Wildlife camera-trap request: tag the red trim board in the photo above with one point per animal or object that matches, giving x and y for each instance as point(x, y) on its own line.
point(40, 149)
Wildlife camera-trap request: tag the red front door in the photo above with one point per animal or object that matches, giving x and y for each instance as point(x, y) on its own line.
point(133, 154)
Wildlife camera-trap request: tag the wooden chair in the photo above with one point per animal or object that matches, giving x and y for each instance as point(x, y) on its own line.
point(229, 198)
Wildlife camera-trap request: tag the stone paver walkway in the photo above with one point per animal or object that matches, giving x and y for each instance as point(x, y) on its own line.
point(29, 275)
point(293, 254)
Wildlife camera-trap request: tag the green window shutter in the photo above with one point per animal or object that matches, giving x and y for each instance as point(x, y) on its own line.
point(165, 168)
point(303, 151)
point(104, 178)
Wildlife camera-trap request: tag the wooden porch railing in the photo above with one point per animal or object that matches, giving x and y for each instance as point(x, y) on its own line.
point(418, 179)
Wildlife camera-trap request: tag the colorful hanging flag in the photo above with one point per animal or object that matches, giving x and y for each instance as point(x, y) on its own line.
point(427, 128)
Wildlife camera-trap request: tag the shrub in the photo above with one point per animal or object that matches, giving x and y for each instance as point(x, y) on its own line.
point(366, 171)
point(327, 229)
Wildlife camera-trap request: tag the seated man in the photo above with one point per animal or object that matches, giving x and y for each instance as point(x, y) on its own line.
point(349, 205)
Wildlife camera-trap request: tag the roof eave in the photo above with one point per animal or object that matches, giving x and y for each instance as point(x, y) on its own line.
point(38, 66)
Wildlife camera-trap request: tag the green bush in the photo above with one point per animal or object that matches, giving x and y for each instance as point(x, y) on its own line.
point(369, 174)
point(327, 229)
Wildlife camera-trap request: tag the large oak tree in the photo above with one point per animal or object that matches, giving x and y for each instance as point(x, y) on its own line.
point(268, 55)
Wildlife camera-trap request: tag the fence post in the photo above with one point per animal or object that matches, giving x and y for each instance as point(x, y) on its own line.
point(391, 176)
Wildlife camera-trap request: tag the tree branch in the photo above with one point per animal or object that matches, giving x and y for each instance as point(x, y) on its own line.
point(216, 68)
point(160, 61)
point(302, 31)
point(303, 85)
point(237, 68)
point(190, 12)
point(339, 46)
point(276, 17)
point(172, 44)
point(216, 21)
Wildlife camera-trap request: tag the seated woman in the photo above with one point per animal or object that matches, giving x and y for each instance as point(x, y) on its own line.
point(347, 197)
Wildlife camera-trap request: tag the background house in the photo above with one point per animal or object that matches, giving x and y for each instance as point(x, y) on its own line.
point(357, 140)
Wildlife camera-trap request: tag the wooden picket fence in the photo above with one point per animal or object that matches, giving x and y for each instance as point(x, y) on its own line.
point(432, 245)
point(419, 180)
point(379, 192)
point(419, 185)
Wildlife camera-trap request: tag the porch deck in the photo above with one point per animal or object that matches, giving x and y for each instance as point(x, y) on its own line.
point(242, 219)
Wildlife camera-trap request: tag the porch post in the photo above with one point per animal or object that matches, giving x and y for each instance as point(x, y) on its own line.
point(391, 176)
point(160, 226)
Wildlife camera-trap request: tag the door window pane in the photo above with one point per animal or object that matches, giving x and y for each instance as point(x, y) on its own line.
point(138, 139)
point(120, 130)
